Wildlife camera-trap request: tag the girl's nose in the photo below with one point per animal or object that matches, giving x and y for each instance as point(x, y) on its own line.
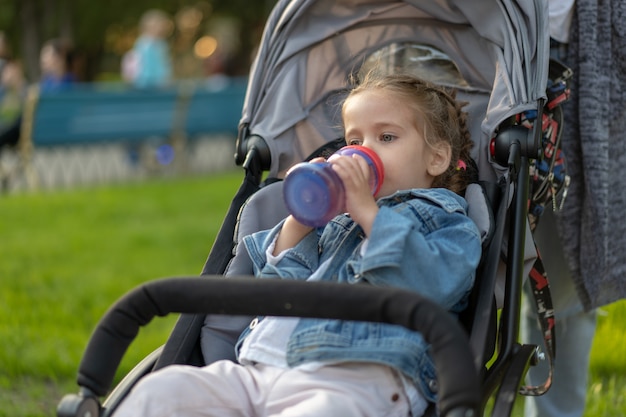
point(367, 142)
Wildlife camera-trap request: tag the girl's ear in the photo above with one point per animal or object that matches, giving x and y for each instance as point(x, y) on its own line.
point(439, 160)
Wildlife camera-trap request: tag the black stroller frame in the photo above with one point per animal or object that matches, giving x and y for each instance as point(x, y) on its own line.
point(477, 358)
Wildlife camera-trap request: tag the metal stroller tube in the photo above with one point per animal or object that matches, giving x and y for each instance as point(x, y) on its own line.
point(459, 384)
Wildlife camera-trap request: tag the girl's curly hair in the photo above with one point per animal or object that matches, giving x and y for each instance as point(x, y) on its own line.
point(441, 118)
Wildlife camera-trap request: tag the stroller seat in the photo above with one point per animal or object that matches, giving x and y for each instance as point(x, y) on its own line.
point(219, 334)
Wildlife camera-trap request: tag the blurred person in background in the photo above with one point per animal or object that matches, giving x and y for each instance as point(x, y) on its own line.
point(12, 85)
point(55, 62)
point(12, 93)
point(149, 64)
point(5, 51)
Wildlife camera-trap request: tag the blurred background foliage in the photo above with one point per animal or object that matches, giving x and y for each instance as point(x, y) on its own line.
point(101, 31)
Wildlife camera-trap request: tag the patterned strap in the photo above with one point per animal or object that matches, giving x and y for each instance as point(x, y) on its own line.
point(549, 185)
point(545, 315)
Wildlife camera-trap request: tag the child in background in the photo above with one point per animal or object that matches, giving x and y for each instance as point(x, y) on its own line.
point(55, 62)
point(148, 64)
point(12, 92)
point(415, 234)
point(12, 85)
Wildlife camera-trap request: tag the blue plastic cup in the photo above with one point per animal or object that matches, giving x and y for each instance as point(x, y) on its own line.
point(314, 193)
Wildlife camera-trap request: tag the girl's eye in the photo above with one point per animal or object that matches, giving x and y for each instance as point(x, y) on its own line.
point(386, 137)
point(354, 142)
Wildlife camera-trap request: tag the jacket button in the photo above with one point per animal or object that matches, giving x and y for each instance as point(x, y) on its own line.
point(253, 323)
point(433, 385)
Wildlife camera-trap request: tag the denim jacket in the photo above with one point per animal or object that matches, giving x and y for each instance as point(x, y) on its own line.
point(421, 240)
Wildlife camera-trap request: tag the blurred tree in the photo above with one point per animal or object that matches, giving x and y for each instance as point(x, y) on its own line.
point(29, 23)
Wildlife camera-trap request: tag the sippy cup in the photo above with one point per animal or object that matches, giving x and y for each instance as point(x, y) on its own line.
point(314, 193)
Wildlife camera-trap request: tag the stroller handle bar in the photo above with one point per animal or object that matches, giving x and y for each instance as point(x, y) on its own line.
point(459, 386)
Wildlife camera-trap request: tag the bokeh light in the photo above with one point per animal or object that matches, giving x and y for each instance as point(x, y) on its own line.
point(205, 47)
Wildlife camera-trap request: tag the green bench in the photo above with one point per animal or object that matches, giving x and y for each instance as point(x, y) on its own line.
point(92, 113)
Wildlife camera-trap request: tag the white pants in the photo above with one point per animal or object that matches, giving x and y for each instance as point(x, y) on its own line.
point(226, 389)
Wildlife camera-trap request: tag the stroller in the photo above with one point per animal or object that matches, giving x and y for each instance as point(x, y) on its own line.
point(495, 54)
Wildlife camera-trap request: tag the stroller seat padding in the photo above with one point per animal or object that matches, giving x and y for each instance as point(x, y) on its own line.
point(263, 210)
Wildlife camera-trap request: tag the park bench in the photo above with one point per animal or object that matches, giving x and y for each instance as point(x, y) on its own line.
point(90, 113)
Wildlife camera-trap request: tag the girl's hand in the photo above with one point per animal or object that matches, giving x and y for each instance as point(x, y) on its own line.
point(291, 233)
point(360, 204)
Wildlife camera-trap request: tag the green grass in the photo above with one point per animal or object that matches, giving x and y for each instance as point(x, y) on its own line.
point(606, 396)
point(66, 256)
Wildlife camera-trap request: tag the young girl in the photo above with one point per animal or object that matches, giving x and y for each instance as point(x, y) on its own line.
point(414, 234)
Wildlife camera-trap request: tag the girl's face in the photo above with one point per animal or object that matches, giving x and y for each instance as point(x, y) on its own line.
point(386, 124)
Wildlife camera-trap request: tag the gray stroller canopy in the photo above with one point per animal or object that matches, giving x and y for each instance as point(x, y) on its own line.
point(310, 48)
